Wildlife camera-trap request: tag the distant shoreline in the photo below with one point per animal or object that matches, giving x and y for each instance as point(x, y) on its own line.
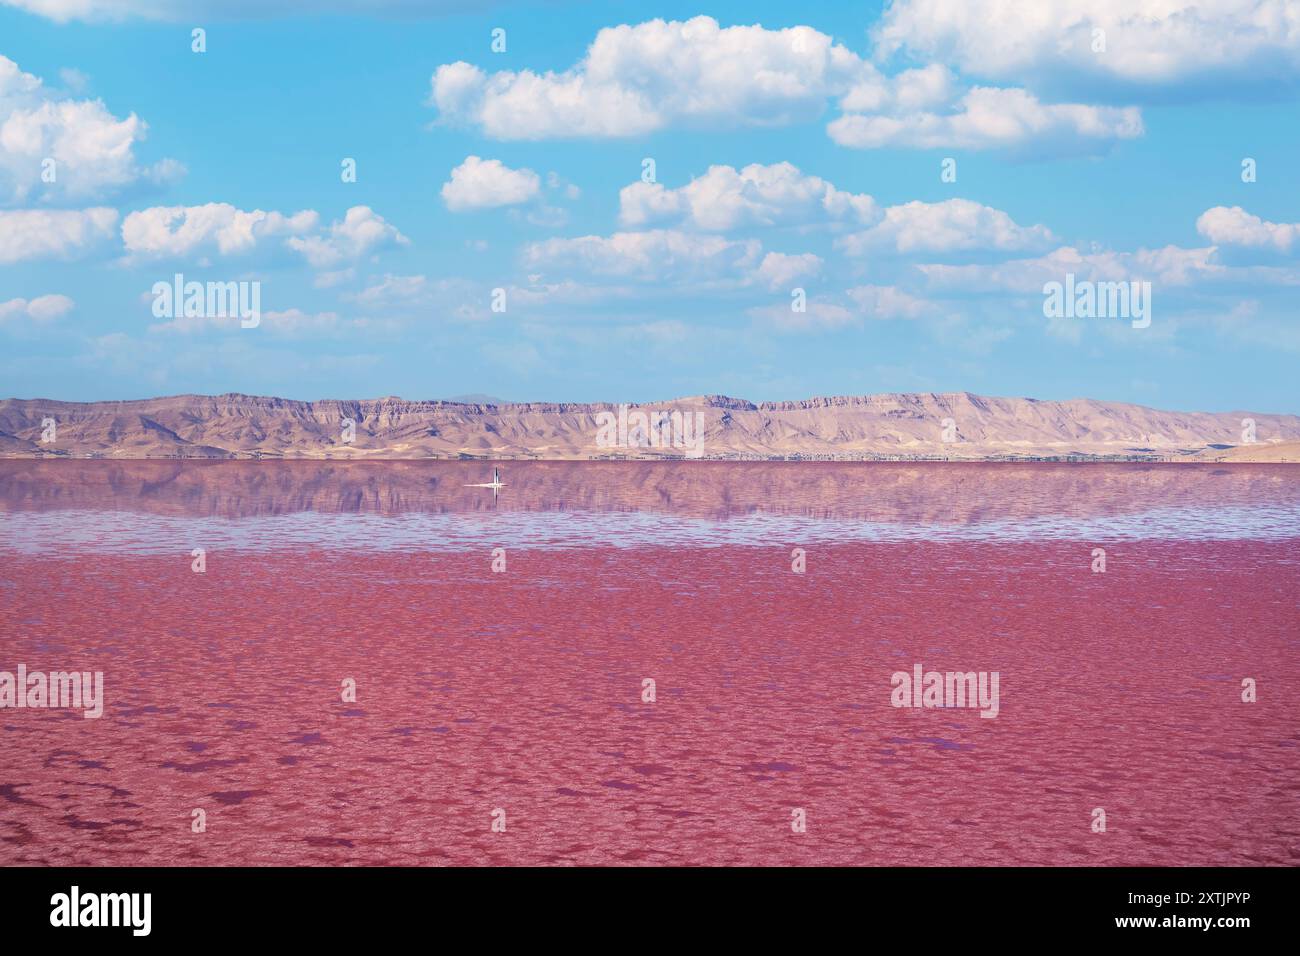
point(1245, 456)
point(888, 427)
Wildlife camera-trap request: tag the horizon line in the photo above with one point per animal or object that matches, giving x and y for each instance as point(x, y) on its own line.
point(713, 399)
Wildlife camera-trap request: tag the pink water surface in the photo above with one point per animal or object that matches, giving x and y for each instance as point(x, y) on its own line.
point(522, 691)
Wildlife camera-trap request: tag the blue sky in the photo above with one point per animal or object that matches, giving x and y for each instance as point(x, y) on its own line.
point(794, 147)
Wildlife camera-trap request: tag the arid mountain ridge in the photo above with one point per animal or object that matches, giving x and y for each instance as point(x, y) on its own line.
point(891, 426)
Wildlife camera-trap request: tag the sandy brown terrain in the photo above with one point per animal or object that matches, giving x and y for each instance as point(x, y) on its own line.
point(1283, 451)
point(895, 426)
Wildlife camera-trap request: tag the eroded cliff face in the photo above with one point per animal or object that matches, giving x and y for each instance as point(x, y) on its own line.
point(918, 425)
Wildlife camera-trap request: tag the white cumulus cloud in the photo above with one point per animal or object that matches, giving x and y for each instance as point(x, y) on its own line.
point(43, 308)
point(638, 79)
point(487, 184)
point(1236, 227)
point(991, 117)
point(225, 230)
point(29, 234)
point(360, 232)
point(780, 270)
point(1147, 43)
point(757, 195)
point(215, 227)
point(54, 147)
point(949, 226)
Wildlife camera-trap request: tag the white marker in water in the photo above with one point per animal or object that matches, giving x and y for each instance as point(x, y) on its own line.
point(496, 484)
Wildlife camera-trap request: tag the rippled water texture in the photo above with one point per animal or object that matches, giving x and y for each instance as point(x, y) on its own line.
point(522, 690)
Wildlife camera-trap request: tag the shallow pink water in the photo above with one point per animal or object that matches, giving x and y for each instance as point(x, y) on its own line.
point(522, 691)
